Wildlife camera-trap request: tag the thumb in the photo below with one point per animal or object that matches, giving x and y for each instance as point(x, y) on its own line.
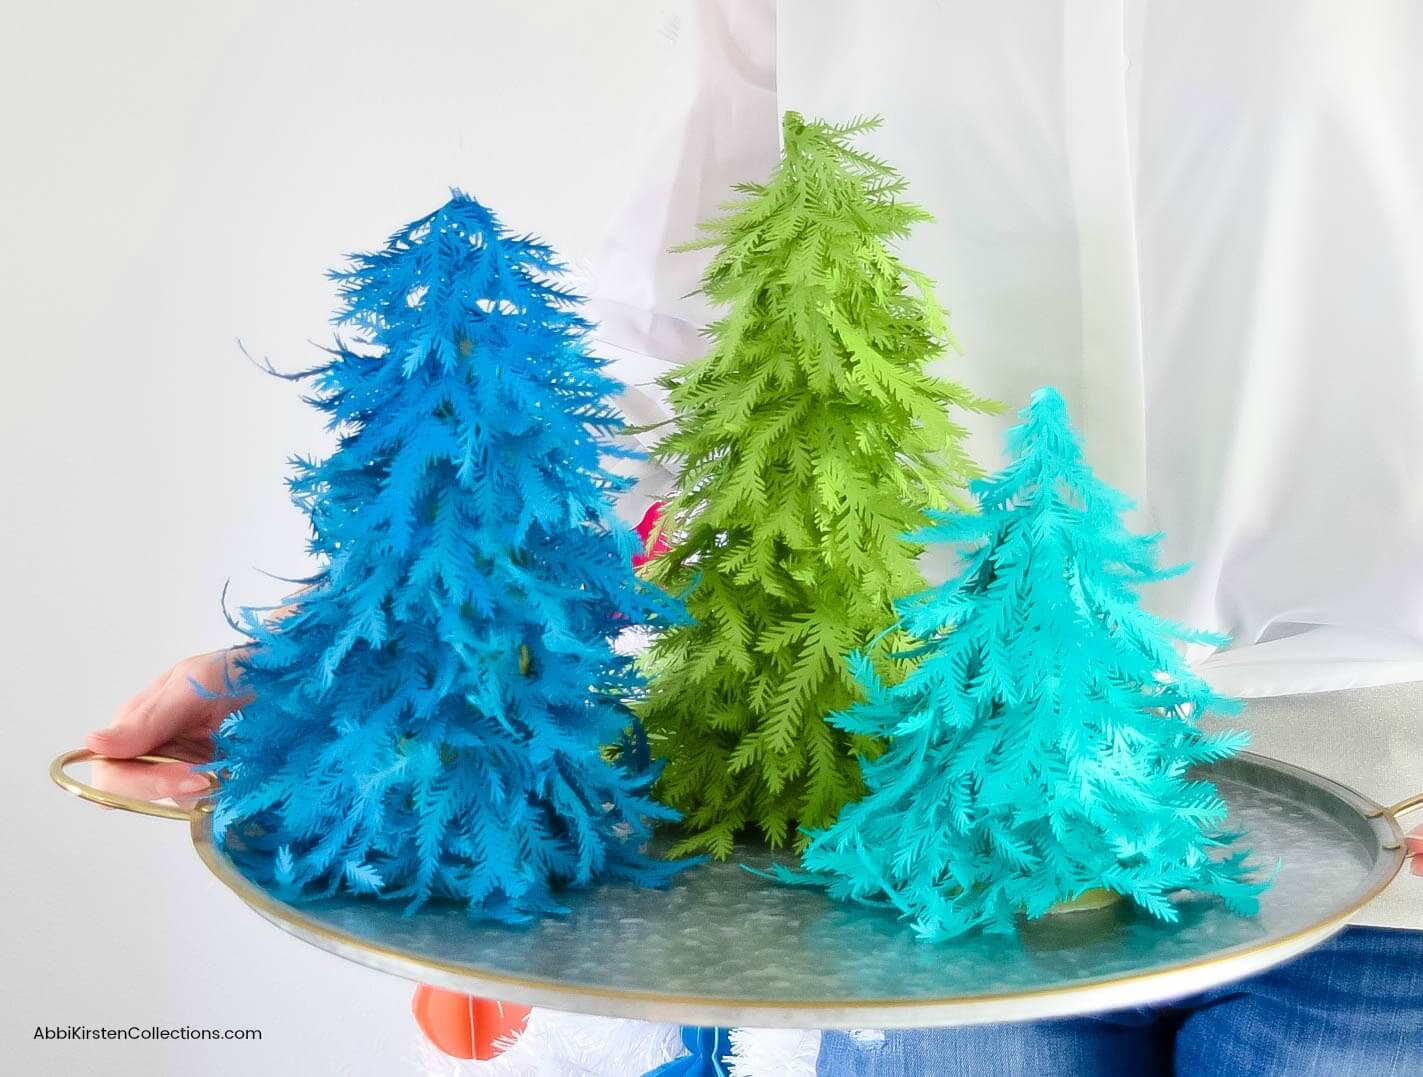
point(122, 741)
point(172, 707)
point(177, 708)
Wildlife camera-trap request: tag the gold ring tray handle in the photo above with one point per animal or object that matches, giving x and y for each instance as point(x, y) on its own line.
point(722, 946)
point(59, 773)
point(1405, 806)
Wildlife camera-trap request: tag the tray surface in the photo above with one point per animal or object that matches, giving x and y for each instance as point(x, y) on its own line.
point(722, 946)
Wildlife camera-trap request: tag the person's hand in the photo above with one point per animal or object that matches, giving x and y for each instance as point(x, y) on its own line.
point(169, 717)
point(1414, 841)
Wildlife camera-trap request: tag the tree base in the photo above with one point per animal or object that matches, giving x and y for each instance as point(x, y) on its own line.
point(1087, 901)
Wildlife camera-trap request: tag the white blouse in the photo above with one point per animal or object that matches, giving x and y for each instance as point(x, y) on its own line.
point(1202, 222)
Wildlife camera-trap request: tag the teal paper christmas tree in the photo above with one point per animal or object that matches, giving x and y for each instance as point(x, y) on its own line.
point(809, 440)
point(1041, 745)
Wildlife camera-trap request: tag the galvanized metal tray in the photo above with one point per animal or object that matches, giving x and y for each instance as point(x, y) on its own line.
point(724, 947)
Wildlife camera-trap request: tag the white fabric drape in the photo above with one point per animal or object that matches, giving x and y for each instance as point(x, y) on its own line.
point(1202, 222)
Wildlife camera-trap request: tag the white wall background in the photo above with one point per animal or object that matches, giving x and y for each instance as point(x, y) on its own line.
point(178, 175)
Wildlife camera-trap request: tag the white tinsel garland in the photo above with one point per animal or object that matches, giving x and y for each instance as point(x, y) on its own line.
point(555, 1044)
point(774, 1052)
point(558, 1044)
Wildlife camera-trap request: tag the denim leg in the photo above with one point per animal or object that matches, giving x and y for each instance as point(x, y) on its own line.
point(1125, 1044)
point(1352, 1007)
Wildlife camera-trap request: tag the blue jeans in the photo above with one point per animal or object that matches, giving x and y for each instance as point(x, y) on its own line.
point(1351, 1008)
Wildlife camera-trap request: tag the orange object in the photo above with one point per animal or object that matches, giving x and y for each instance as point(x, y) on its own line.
point(464, 1026)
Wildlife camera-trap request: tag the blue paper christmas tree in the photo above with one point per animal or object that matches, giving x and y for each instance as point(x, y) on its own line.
point(1041, 744)
point(427, 722)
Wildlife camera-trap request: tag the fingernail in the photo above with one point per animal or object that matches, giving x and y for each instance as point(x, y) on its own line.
point(194, 784)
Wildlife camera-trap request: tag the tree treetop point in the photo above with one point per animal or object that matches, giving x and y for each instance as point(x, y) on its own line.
point(1047, 401)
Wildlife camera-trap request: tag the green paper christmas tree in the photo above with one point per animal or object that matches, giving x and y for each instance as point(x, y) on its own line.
point(809, 441)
